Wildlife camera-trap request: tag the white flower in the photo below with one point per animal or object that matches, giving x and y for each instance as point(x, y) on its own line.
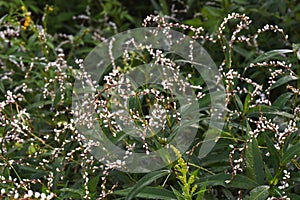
point(30, 193)
point(43, 196)
point(37, 195)
point(2, 191)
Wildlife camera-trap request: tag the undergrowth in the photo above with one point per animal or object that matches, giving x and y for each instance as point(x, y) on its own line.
point(44, 156)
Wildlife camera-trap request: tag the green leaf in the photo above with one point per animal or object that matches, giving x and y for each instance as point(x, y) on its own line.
point(71, 193)
point(149, 193)
point(239, 181)
point(242, 2)
point(290, 153)
point(92, 185)
point(2, 88)
point(255, 165)
point(228, 55)
point(268, 111)
point(57, 98)
point(239, 102)
point(245, 53)
point(146, 180)
point(259, 193)
point(205, 101)
point(193, 22)
point(155, 5)
point(164, 6)
point(271, 54)
point(32, 172)
point(274, 155)
point(201, 192)
point(242, 182)
point(293, 196)
point(282, 100)
point(283, 80)
point(161, 6)
point(212, 11)
point(178, 195)
point(246, 103)
point(2, 18)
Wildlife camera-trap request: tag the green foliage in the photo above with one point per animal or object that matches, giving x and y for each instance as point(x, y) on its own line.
point(146, 180)
point(257, 155)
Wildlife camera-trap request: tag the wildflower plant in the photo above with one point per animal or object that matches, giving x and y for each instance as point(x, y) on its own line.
point(199, 102)
point(152, 100)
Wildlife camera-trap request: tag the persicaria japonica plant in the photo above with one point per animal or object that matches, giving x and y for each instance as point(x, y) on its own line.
point(44, 155)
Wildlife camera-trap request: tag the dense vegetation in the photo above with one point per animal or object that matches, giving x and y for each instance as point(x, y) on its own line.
point(45, 155)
